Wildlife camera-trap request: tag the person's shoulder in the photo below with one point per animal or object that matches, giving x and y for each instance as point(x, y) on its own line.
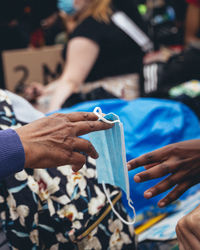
point(90, 23)
point(89, 28)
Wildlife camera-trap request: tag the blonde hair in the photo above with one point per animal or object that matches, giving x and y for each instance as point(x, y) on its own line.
point(98, 9)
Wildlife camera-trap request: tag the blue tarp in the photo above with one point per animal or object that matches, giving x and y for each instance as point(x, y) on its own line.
point(148, 124)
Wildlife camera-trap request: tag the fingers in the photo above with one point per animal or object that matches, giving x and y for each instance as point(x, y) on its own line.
point(168, 183)
point(146, 159)
point(82, 145)
point(77, 160)
point(155, 171)
point(161, 187)
point(90, 126)
point(175, 193)
point(81, 116)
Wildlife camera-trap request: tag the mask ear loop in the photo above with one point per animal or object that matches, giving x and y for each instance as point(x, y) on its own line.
point(114, 210)
point(98, 112)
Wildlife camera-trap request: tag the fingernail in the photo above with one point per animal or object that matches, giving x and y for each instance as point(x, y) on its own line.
point(148, 194)
point(96, 155)
point(162, 204)
point(137, 178)
point(129, 167)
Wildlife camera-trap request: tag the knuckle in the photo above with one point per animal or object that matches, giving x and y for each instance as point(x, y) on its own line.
point(165, 168)
point(91, 124)
point(85, 116)
point(167, 200)
point(68, 154)
point(70, 141)
point(172, 196)
point(134, 163)
point(145, 175)
point(170, 182)
point(191, 220)
point(156, 190)
point(180, 225)
point(171, 148)
point(181, 222)
point(56, 116)
point(149, 158)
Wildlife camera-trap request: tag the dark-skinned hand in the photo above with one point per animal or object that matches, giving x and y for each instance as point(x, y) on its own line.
point(53, 141)
point(179, 161)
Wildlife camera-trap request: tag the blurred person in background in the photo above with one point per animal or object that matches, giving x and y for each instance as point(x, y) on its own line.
point(192, 26)
point(45, 22)
point(27, 23)
point(13, 31)
point(96, 49)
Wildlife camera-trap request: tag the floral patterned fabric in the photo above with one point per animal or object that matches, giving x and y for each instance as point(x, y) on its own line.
point(57, 208)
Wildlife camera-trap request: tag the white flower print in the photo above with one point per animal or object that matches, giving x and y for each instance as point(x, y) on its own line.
point(88, 172)
point(54, 247)
point(96, 203)
point(60, 237)
point(15, 126)
point(65, 170)
point(34, 237)
point(47, 184)
point(70, 212)
point(20, 212)
point(7, 111)
point(21, 176)
point(77, 224)
point(73, 180)
point(3, 127)
point(118, 238)
point(4, 97)
point(91, 242)
point(33, 185)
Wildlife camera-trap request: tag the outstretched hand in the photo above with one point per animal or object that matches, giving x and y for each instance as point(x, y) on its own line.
point(179, 161)
point(53, 141)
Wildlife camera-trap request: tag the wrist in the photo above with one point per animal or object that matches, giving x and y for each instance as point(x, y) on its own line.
point(12, 153)
point(26, 147)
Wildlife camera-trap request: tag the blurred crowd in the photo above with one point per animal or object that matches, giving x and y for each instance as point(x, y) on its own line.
point(100, 52)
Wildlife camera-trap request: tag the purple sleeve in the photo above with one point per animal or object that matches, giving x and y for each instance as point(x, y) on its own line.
point(12, 156)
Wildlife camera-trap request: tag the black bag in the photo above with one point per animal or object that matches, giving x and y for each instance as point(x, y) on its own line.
point(96, 94)
point(178, 69)
point(160, 77)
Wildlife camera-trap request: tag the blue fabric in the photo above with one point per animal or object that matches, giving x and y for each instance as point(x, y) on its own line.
point(148, 124)
point(11, 153)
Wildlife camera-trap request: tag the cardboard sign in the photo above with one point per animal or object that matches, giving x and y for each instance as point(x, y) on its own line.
point(32, 65)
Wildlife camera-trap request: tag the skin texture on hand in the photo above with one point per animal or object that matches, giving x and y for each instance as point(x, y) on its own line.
point(53, 141)
point(179, 161)
point(188, 231)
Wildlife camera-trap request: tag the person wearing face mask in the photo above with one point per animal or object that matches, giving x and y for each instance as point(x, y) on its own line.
point(97, 48)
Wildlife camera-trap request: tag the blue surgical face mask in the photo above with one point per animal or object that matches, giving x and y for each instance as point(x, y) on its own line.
point(67, 6)
point(111, 164)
